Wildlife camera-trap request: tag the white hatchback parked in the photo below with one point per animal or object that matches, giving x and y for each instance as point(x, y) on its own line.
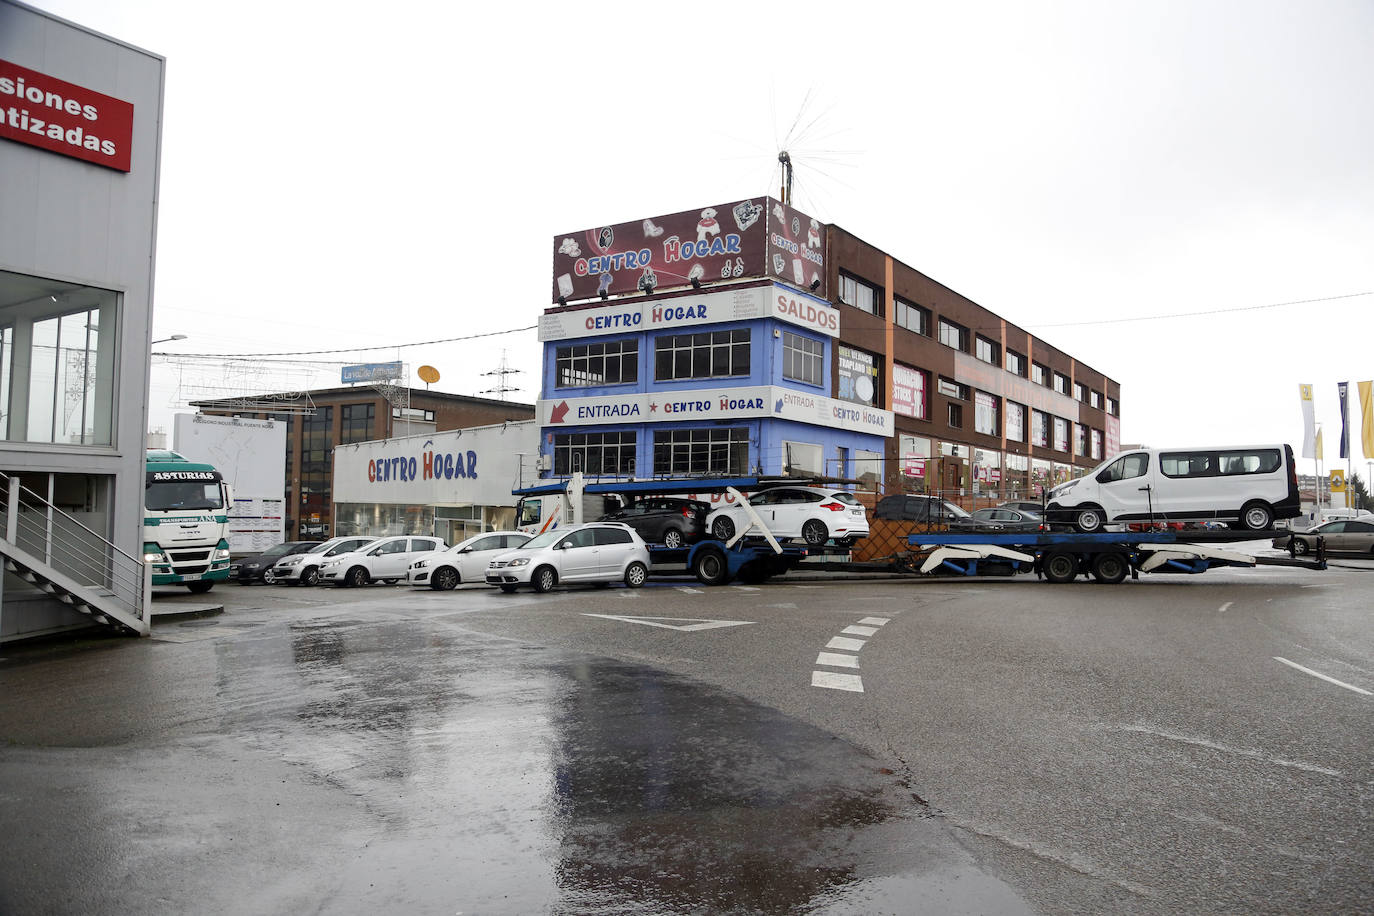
point(814, 514)
point(385, 560)
point(598, 553)
point(465, 561)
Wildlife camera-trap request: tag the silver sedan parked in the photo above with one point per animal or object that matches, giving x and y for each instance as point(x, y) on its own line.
point(1341, 536)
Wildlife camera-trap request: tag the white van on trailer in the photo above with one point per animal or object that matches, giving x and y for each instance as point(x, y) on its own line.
point(1248, 487)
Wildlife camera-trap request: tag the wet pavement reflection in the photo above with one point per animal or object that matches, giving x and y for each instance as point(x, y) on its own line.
point(427, 769)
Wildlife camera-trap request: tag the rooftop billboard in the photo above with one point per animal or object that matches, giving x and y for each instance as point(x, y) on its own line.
point(755, 238)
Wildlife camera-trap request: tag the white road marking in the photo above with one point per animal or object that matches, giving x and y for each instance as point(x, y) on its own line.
point(1222, 609)
point(840, 642)
point(1318, 674)
point(627, 593)
point(851, 682)
point(745, 588)
point(860, 631)
point(683, 624)
point(837, 660)
point(875, 621)
point(687, 590)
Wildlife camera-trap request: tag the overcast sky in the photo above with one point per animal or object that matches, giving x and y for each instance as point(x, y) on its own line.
point(1133, 182)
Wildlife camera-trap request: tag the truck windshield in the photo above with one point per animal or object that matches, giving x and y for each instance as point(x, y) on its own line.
point(173, 495)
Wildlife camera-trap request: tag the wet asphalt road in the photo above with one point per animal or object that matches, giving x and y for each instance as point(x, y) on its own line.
point(1014, 747)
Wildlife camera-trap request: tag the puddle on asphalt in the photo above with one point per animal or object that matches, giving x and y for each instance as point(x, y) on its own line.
point(503, 780)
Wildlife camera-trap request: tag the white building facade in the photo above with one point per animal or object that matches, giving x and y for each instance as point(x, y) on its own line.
point(80, 136)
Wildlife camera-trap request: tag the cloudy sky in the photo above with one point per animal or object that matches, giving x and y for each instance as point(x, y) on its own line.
point(1181, 194)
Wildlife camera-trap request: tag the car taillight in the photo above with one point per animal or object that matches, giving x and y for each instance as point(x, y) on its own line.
point(686, 511)
point(833, 507)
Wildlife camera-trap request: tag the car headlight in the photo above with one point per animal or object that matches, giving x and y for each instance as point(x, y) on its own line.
point(290, 561)
point(519, 561)
point(329, 563)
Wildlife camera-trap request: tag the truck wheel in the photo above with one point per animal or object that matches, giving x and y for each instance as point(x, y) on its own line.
point(672, 539)
point(544, 579)
point(357, 577)
point(1088, 520)
point(723, 529)
point(310, 575)
point(1110, 568)
point(1060, 567)
point(1256, 516)
point(443, 579)
point(199, 588)
point(636, 574)
point(815, 533)
point(709, 567)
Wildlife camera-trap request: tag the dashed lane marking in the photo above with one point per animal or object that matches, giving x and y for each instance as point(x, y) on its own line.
point(1318, 674)
point(837, 660)
point(841, 642)
point(860, 631)
point(682, 624)
point(837, 681)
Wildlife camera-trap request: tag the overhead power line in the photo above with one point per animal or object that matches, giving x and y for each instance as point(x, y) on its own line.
point(1243, 308)
point(420, 343)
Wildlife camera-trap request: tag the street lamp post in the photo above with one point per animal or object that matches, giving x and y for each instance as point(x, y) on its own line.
point(165, 339)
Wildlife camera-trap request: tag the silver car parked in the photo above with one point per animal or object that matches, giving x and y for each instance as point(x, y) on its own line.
point(598, 553)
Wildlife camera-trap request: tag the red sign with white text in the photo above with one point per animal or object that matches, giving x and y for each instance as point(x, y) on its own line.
point(61, 117)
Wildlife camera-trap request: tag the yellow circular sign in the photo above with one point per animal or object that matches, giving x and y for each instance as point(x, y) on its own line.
point(1337, 481)
point(428, 374)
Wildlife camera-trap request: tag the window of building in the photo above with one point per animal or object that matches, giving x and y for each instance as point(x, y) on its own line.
point(604, 362)
point(412, 413)
point(1095, 443)
point(594, 453)
point(801, 358)
point(1080, 392)
point(1113, 408)
point(912, 317)
point(986, 350)
point(956, 415)
point(702, 451)
point(1061, 434)
point(953, 335)
point(1015, 363)
point(1016, 422)
point(802, 458)
point(317, 464)
point(712, 354)
point(1040, 428)
point(1039, 374)
point(57, 369)
point(1080, 440)
point(861, 295)
point(359, 423)
point(985, 410)
point(1094, 398)
point(1061, 383)
point(951, 389)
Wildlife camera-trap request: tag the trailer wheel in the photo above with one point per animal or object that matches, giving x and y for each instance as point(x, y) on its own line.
point(1257, 516)
point(1110, 568)
point(1060, 567)
point(1088, 520)
point(709, 567)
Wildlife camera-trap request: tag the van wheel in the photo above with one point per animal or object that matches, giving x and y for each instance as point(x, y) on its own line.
point(1088, 520)
point(636, 574)
point(1060, 567)
point(709, 567)
point(723, 529)
point(815, 533)
point(1109, 568)
point(544, 579)
point(672, 539)
point(1257, 516)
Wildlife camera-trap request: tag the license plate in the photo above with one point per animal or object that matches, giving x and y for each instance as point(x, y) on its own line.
point(190, 577)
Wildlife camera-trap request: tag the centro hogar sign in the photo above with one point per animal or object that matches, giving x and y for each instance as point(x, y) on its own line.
point(61, 117)
point(428, 465)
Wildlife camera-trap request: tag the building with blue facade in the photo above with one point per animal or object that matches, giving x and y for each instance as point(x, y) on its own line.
point(731, 382)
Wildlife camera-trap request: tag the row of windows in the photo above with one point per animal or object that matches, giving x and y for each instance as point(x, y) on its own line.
point(709, 354)
point(722, 451)
point(1046, 430)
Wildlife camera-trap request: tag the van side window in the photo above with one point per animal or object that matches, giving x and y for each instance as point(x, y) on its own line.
point(1188, 464)
point(1124, 468)
point(1257, 461)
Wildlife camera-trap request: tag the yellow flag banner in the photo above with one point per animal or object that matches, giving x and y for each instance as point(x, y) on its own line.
point(1309, 423)
point(1367, 414)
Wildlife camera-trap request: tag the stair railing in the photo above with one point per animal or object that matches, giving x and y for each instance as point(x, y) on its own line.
point(65, 544)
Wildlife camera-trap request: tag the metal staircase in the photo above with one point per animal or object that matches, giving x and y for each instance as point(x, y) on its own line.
point(59, 555)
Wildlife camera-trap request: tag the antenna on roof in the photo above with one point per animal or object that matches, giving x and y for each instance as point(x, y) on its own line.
point(786, 161)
